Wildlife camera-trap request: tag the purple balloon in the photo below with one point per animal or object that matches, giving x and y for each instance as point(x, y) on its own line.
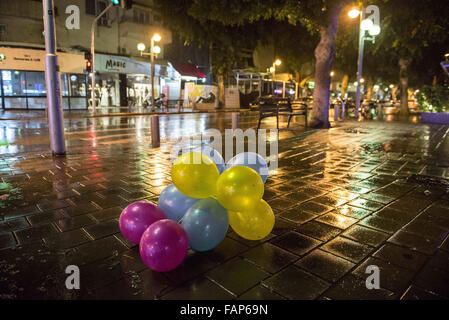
point(137, 217)
point(164, 245)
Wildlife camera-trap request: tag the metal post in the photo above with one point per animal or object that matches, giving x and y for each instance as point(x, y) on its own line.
point(235, 120)
point(152, 75)
point(92, 51)
point(359, 63)
point(283, 89)
point(52, 81)
point(336, 112)
point(155, 134)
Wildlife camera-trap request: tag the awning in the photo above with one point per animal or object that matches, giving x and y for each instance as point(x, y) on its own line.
point(187, 70)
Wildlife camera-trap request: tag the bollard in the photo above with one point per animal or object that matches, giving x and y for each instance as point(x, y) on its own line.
point(336, 111)
point(235, 120)
point(155, 135)
point(179, 105)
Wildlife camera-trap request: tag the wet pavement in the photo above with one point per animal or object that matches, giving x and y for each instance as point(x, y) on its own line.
point(359, 194)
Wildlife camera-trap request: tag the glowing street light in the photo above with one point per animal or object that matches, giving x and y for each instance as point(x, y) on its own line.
point(332, 73)
point(354, 13)
point(368, 25)
point(156, 37)
point(278, 62)
point(155, 50)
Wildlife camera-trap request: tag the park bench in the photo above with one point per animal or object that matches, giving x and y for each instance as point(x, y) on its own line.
point(275, 107)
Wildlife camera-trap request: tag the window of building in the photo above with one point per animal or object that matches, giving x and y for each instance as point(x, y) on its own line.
point(90, 7)
point(35, 84)
point(13, 83)
point(2, 32)
point(147, 18)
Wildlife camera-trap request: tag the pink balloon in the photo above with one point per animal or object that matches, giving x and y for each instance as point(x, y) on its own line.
point(137, 217)
point(164, 245)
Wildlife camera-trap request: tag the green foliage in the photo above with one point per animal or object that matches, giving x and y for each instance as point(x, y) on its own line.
point(434, 98)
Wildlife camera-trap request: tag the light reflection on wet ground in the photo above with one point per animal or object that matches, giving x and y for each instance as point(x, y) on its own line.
point(342, 200)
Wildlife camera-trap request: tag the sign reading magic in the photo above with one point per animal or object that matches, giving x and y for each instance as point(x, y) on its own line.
point(118, 64)
point(114, 65)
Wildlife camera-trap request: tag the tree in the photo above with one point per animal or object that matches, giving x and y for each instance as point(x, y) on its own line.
point(320, 17)
point(409, 30)
point(227, 44)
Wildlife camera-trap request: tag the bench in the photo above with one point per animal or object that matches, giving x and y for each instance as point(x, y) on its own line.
point(275, 107)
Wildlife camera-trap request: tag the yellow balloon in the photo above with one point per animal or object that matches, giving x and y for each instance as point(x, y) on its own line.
point(254, 224)
point(239, 188)
point(195, 175)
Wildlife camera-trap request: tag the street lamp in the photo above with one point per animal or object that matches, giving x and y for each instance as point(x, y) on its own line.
point(368, 25)
point(155, 50)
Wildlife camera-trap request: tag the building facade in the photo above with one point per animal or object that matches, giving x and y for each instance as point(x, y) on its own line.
point(121, 73)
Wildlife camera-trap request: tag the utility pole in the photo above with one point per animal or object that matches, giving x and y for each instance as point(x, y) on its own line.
point(360, 64)
point(92, 51)
point(52, 81)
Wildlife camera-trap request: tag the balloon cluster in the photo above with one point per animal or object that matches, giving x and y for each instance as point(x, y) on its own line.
point(206, 197)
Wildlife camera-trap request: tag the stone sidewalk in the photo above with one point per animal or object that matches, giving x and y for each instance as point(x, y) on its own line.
point(359, 194)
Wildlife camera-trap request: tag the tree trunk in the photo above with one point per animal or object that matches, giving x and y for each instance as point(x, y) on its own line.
point(221, 91)
point(403, 78)
point(324, 54)
point(344, 86)
point(369, 91)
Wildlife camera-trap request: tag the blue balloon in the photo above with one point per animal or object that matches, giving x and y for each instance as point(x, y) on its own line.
point(174, 203)
point(252, 160)
point(216, 157)
point(206, 224)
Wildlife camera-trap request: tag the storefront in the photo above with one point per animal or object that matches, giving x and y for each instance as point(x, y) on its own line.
point(117, 78)
point(22, 79)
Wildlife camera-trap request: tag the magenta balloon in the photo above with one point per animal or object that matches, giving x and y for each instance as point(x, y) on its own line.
point(137, 217)
point(164, 245)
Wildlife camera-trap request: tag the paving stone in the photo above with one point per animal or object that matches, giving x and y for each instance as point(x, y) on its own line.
point(194, 264)
point(296, 284)
point(317, 230)
point(351, 287)
point(325, 265)
point(7, 240)
point(107, 214)
point(353, 212)
point(416, 293)
point(381, 224)
point(76, 222)
point(95, 251)
point(402, 217)
point(296, 215)
point(366, 204)
point(237, 275)
point(296, 243)
point(347, 249)
point(227, 249)
point(13, 225)
point(392, 277)
point(66, 240)
point(415, 242)
point(401, 256)
point(433, 280)
point(269, 257)
point(198, 289)
point(260, 292)
point(104, 229)
point(35, 233)
point(337, 220)
point(365, 235)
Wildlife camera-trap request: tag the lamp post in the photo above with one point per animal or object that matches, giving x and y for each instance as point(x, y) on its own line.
point(154, 51)
point(92, 52)
point(277, 62)
point(368, 25)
